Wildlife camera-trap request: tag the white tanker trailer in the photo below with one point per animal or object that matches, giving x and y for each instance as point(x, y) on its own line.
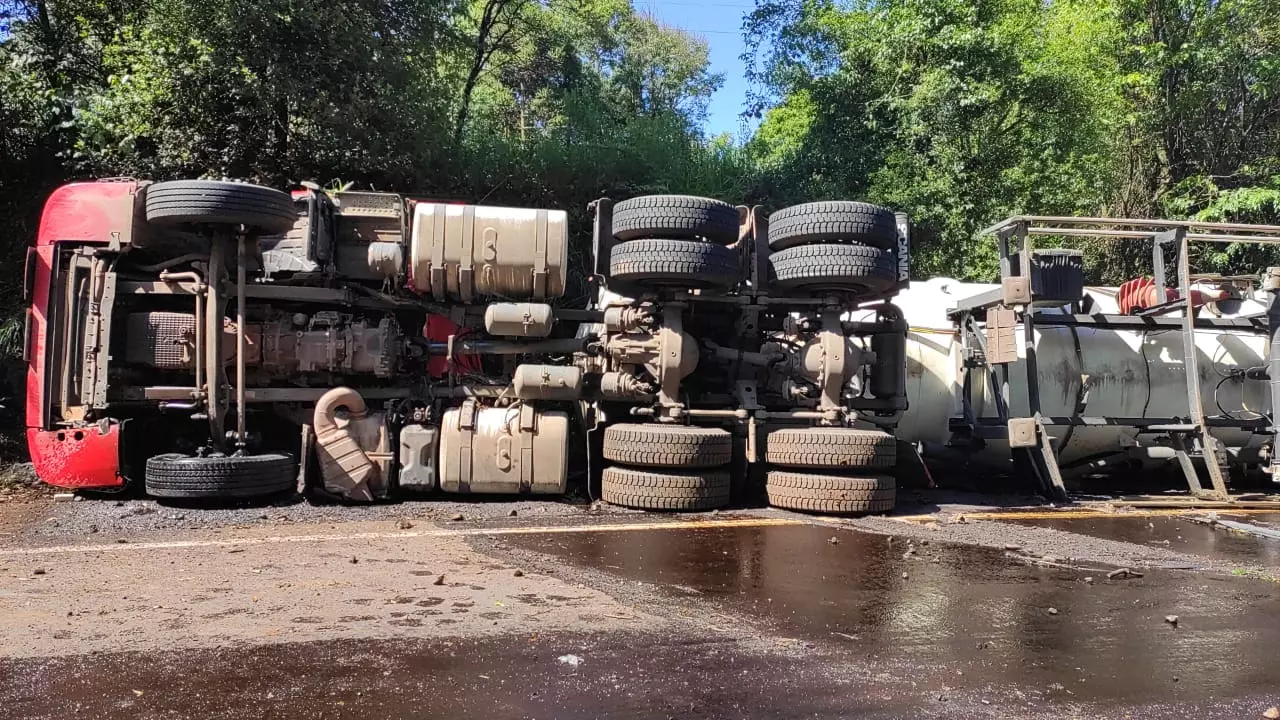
point(1085, 371)
point(1063, 379)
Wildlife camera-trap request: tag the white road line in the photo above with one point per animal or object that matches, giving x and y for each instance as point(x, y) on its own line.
point(460, 532)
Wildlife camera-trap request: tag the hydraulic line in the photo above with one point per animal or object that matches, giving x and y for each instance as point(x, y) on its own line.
point(240, 382)
point(213, 342)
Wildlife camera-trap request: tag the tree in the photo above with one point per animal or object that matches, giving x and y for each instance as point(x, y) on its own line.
point(955, 112)
point(496, 31)
point(663, 70)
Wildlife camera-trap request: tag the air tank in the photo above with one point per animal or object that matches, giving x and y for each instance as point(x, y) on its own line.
point(1082, 371)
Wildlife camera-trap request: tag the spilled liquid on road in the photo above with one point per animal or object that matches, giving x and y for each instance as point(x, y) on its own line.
point(995, 619)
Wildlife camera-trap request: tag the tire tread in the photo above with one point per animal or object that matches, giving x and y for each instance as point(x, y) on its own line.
point(645, 490)
point(183, 202)
point(182, 476)
point(842, 448)
point(674, 263)
point(855, 268)
point(832, 494)
point(675, 216)
point(654, 445)
point(833, 221)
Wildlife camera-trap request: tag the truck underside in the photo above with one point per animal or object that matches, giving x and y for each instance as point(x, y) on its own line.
point(215, 339)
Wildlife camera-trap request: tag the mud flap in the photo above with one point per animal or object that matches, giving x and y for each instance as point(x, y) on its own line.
point(85, 457)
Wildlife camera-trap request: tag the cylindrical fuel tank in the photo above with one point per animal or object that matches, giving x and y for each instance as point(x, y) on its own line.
point(460, 252)
point(503, 450)
point(1081, 370)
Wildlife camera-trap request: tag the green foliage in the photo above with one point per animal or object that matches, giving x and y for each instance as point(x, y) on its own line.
point(958, 113)
point(261, 88)
point(961, 113)
point(549, 103)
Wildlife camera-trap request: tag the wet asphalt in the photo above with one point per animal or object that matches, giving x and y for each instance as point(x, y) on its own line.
point(1181, 534)
point(779, 621)
point(969, 617)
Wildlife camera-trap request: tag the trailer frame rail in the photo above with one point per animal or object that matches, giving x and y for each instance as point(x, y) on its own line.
point(987, 324)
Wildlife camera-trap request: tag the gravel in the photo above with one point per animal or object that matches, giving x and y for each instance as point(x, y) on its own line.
point(131, 515)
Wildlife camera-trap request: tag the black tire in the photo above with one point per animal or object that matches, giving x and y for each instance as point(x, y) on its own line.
point(683, 217)
point(663, 262)
point(842, 448)
point(843, 268)
point(833, 221)
point(185, 476)
point(655, 445)
point(213, 202)
point(830, 494)
point(671, 490)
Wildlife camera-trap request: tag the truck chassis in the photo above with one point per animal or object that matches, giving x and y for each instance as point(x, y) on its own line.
point(210, 339)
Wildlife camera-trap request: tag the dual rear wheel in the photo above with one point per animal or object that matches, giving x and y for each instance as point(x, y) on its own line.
point(681, 242)
point(676, 242)
point(666, 467)
point(834, 246)
point(831, 470)
point(821, 470)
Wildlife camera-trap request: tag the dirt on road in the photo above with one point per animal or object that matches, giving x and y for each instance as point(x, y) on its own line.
point(128, 608)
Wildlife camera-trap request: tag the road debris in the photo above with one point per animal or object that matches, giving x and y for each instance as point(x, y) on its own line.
point(1271, 713)
point(439, 580)
point(1171, 619)
point(570, 660)
point(404, 524)
point(1212, 520)
point(1123, 573)
point(1052, 611)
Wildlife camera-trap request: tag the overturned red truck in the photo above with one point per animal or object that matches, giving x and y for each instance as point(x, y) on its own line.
point(213, 339)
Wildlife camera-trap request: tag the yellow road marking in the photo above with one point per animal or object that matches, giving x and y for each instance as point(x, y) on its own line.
point(1086, 514)
point(458, 532)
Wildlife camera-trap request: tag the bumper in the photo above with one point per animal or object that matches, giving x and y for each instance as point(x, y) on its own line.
point(79, 458)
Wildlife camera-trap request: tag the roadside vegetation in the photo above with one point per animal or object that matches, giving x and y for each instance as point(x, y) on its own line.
point(956, 112)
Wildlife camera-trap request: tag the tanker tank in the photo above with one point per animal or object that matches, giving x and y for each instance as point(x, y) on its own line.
point(1083, 371)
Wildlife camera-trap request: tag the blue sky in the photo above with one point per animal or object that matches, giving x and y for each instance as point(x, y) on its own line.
point(719, 22)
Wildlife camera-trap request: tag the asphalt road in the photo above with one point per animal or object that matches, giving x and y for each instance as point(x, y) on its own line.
point(566, 611)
